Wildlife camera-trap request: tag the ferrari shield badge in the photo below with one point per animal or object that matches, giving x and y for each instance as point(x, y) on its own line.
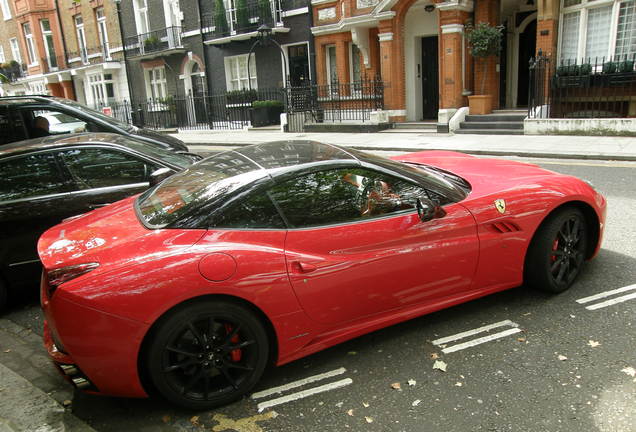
point(500, 205)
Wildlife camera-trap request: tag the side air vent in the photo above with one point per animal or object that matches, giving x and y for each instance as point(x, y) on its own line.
point(505, 227)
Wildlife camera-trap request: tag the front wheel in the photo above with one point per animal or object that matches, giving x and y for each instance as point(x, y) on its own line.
point(207, 354)
point(557, 252)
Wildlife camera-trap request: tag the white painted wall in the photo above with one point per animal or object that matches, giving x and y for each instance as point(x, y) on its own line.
point(613, 126)
point(418, 23)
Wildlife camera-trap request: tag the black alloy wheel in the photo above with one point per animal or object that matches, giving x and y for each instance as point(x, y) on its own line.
point(207, 354)
point(557, 253)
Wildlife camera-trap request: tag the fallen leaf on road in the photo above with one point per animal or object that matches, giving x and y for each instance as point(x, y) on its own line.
point(339, 404)
point(165, 419)
point(593, 344)
point(396, 386)
point(458, 384)
point(439, 365)
point(365, 404)
point(434, 356)
point(416, 402)
point(350, 412)
point(369, 419)
point(67, 403)
point(521, 339)
point(195, 421)
point(352, 353)
point(562, 357)
point(7, 351)
point(629, 371)
point(412, 382)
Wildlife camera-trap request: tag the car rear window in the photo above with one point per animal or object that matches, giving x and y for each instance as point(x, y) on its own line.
point(206, 182)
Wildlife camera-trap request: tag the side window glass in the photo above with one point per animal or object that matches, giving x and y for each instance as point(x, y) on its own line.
point(11, 126)
point(343, 195)
point(51, 122)
point(257, 211)
point(29, 177)
point(96, 167)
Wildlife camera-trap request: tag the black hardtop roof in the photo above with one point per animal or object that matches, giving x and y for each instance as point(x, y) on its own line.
point(53, 141)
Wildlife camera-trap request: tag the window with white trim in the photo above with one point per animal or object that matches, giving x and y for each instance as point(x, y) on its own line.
point(2, 58)
point(28, 38)
point(6, 11)
point(236, 74)
point(15, 50)
point(354, 66)
point(102, 31)
point(81, 38)
point(102, 88)
point(330, 54)
point(49, 44)
point(156, 84)
point(141, 16)
point(595, 30)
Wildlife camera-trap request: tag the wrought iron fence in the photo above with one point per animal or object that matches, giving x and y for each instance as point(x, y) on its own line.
point(53, 63)
point(588, 88)
point(338, 102)
point(154, 41)
point(230, 110)
point(243, 18)
point(93, 55)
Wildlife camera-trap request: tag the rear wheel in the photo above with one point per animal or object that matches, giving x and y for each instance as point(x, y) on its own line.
point(207, 354)
point(557, 252)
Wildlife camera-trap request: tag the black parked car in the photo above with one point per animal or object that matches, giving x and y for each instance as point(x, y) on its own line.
point(45, 180)
point(20, 115)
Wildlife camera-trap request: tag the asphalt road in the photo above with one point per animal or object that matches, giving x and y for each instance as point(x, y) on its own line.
point(559, 365)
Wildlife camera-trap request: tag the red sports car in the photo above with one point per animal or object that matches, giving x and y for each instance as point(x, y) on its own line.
point(275, 251)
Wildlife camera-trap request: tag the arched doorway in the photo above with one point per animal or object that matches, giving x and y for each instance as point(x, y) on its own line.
point(194, 85)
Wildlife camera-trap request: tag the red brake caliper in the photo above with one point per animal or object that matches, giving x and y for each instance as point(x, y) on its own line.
point(555, 246)
point(235, 354)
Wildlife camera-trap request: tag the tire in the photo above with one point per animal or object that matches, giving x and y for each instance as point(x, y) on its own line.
point(3, 296)
point(557, 251)
point(207, 354)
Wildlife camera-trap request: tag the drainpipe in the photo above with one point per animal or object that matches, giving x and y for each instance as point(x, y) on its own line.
point(123, 45)
point(59, 23)
point(205, 50)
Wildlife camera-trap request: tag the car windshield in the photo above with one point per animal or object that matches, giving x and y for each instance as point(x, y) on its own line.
point(110, 120)
point(170, 157)
point(206, 182)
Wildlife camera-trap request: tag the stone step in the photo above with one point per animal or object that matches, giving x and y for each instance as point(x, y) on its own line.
point(496, 117)
point(415, 125)
point(490, 131)
point(412, 131)
point(491, 125)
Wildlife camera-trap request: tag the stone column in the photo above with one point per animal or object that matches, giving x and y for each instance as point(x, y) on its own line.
point(389, 56)
point(547, 26)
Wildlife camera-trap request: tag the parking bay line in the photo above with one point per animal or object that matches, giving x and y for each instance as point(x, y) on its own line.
point(303, 394)
point(608, 294)
point(442, 341)
point(299, 383)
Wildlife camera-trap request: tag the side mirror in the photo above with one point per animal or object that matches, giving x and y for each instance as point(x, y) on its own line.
point(428, 210)
point(160, 175)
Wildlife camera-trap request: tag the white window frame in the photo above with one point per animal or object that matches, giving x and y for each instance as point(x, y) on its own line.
point(102, 32)
point(583, 9)
point(141, 16)
point(328, 62)
point(78, 20)
point(15, 49)
point(28, 40)
point(6, 10)
point(2, 57)
point(243, 81)
point(156, 83)
point(45, 35)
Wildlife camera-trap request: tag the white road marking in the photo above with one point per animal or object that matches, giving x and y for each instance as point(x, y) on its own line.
point(480, 340)
point(465, 334)
point(299, 383)
point(606, 294)
point(303, 394)
point(441, 342)
point(611, 301)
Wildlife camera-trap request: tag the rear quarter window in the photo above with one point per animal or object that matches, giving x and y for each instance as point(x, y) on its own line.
point(29, 177)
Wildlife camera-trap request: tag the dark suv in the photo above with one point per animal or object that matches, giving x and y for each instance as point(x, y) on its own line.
point(19, 114)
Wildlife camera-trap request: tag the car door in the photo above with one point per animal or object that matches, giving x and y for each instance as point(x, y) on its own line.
point(34, 196)
point(356, 246)
point(105, 175)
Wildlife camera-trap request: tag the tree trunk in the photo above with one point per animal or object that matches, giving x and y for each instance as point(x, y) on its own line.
point(483, 77)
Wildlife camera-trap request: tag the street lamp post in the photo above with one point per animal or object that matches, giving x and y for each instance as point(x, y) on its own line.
point(264, 37)
point(123, 44)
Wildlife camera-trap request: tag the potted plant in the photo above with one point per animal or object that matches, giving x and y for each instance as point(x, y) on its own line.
point(485, 42)
point(265, 112)
point(573, 75)
point(151, 43)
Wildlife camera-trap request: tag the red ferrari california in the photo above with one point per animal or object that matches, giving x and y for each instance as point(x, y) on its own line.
point(275, 251)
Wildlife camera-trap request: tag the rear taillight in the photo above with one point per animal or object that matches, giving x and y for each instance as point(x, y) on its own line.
point(61, 275)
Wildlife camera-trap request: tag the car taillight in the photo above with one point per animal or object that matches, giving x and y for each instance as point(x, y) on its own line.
point(58, 276)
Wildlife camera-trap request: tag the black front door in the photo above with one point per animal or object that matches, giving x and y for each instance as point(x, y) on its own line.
point(430, 84)
point(527, 47)
point(298, 65)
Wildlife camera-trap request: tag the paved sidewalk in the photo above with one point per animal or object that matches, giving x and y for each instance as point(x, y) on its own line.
point(31, 390)
point(552, 146)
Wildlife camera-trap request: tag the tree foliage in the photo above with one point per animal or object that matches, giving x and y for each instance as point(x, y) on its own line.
point(484, 41)
point(220, 17)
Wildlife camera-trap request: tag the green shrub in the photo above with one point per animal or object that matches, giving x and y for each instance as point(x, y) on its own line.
point(267, 104)
point(242, 15)
point(609, 67)
point(484, 41)
point(585, 69)
point(220, 18)
point(569, 70)
point(626, 66)
point(241, 96)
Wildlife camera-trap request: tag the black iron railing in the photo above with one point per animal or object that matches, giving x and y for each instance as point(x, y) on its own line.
point(338, 102)
point(293, 4)
point(13, 70)
point(92, 55)
point(154, 41)
point(589, 88)
point(53, 63)
point(245, 17)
